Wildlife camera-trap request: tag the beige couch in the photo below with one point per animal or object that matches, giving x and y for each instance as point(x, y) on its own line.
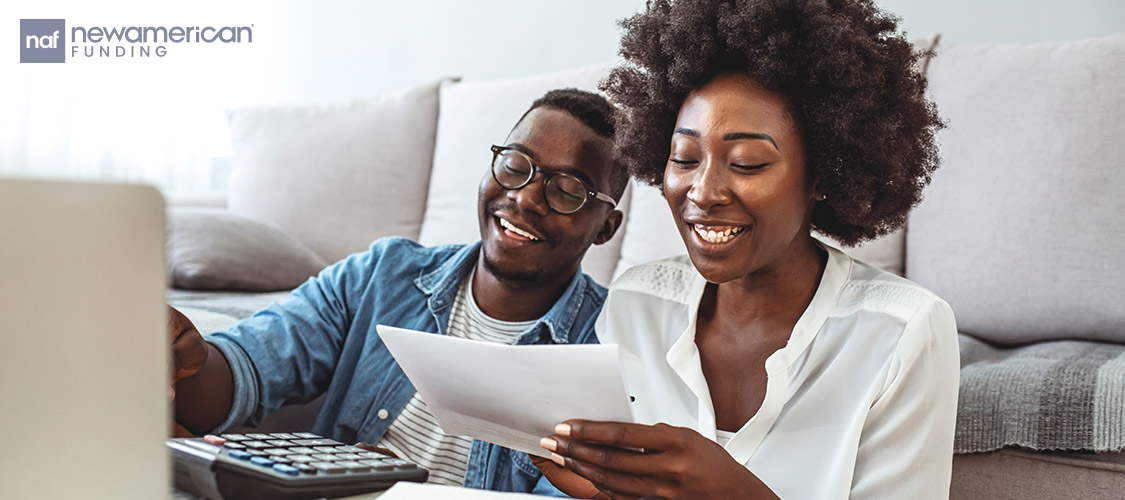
point(1021, 231)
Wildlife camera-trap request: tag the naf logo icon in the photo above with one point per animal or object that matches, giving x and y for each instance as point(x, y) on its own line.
point(42, 40)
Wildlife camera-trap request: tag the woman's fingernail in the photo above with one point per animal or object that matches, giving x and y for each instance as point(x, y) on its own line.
point(562, 429)
point(558, 459)
point(548, 443)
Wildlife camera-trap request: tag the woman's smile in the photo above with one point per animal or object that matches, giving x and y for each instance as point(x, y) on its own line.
point(711, 236)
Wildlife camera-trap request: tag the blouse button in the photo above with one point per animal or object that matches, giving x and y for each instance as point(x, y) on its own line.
point(383, 414)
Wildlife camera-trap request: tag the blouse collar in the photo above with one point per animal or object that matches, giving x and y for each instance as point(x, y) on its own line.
point(684, 357)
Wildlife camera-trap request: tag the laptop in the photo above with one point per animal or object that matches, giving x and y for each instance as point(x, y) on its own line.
point(83, 350)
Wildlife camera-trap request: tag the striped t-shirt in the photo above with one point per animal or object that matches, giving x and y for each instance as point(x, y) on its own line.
point(415, 435)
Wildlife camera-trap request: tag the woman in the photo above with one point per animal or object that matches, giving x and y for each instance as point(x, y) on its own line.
point(770, 364)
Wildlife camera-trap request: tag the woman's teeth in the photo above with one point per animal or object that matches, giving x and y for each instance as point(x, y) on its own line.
point(717, 234)
point(509, 226)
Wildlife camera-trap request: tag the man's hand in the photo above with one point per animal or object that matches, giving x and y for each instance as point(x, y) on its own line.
point(189, 353)
point(629, 461)
point(189, 350)
point(376, 449)
point(202, 384)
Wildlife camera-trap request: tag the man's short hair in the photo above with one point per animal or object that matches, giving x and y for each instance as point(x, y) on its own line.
point(595, 112)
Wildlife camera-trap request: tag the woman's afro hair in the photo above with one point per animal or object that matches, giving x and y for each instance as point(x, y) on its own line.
point(849, 76)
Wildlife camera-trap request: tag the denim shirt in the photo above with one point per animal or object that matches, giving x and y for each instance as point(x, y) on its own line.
point(322, 340)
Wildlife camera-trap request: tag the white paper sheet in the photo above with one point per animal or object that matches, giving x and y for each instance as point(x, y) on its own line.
point(510, 395)
point(416, 491)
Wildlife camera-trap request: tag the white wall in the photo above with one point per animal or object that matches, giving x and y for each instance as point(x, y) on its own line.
point(1009, 21)
point(344, 48)
point(163, 120)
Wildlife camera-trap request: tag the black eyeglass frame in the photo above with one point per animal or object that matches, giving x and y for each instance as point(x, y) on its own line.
point(548, 176)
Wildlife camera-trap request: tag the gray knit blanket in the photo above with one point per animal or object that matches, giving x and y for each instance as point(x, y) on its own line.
point(1061, 395)
point(215, 311)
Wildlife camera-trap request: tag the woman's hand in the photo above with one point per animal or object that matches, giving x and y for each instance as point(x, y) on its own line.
point(568, 482)
point(628, 461)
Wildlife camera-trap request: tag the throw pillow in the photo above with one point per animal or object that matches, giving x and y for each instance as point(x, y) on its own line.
point(338, 176)
point(1021, 230)
point(213, 249)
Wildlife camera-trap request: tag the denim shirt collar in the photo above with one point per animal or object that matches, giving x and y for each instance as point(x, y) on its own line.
point(442, 282)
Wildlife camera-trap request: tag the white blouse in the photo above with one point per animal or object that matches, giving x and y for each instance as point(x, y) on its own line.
point(860, 403)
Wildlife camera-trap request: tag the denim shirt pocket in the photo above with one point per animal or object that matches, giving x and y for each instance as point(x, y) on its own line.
point(493, 467)
point(522, 462)
point(374, 394)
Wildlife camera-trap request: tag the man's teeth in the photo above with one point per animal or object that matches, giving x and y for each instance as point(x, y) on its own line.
point(717, 234)
point(509, 226)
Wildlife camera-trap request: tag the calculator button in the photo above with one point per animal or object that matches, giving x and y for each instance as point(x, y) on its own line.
point(279, 451)
point(372, 455)
point(349, 449)
point(301, 458)
point(347, 456)
point(263, 461)
point(316, 442)
point(285, 469)
point(260, 437)
point(325, 457)
point(306, 435)
point(280, 459)
point(303, 450)
point(256, 453)
point(235, 437)
point(234, 446)
point(326, 449)
point(306, 468)
point(283, 435)
point(239, 454)
point(329, 467)
point(257, 444)
point(215, 440)
point(280, 443)
point(354, 466)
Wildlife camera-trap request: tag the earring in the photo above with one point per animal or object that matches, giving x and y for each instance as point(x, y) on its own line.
point(822, 197)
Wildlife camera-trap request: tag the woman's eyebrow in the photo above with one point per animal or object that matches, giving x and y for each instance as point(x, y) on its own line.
point(735, 136)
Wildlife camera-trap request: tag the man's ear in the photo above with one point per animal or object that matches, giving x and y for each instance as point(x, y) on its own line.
point(609, 227)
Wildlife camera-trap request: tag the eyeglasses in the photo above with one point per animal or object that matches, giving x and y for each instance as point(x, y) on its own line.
point(564, 193)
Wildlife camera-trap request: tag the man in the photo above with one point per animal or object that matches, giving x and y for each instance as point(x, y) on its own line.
point(550, 194)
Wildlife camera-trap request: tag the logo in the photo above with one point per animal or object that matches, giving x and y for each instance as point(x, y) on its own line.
point(45, 40)
point(42, 40)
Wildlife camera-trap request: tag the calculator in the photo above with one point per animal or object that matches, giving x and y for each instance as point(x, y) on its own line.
point(282, 466)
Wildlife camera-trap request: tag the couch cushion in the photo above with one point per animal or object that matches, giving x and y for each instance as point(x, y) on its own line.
point(213, 249)
point(339, 176)
point(1021, 230)
point(1028, 475)
point(473, 116)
